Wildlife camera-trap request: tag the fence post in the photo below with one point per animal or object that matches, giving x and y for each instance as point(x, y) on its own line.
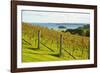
point(39, 39)
point(57, 42)
point(89, 51)
point(83, 47)
point(61, 39)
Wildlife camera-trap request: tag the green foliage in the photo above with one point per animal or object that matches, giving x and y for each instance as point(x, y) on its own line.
point(83, 31)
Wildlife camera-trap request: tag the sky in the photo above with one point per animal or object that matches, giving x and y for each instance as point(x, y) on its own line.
point(54, 17)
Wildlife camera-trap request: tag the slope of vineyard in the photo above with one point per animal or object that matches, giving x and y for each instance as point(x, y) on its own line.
point(74, 47)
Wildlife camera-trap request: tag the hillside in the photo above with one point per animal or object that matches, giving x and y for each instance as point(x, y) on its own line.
point(51, 47)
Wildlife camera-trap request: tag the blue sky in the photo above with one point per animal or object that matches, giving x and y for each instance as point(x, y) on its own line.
point(54, 17)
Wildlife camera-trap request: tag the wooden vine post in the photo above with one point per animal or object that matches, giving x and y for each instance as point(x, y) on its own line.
point(39, 39)
point(61, 42)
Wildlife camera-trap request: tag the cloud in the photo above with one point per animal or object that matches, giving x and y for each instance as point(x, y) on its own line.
point(55, 17)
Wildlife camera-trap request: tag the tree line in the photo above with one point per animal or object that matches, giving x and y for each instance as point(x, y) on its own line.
point(83, 31)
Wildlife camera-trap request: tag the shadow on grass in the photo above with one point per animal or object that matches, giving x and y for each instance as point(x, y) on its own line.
point(51, 54)
point(47, 47)
point(32, 48)
point(26, 42)
point(56, 55)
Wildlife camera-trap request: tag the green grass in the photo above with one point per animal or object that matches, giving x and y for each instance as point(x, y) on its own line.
point(74, 47)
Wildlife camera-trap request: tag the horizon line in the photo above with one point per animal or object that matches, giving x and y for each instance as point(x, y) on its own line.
point(53, 22)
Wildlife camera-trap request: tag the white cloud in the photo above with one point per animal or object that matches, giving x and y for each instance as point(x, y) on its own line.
point(55, 17)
